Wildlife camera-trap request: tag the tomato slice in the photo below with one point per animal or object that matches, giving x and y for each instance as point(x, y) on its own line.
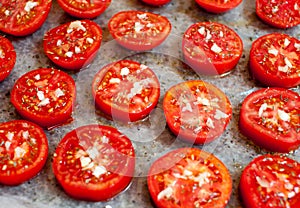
point(73, 45)
point(218, 6)
point(196, 111)
point(23, 17)
point(275, 60)
point(189, 177)
point(94, 162)
point(271, 181)
point(126, 90)
point(139, 31)
point(23, 151)
point(7, 58)
point(211, 48)
point(45, 96)
point(279, 13)
point(156, 2)
point(270, 118)
point(84, 9)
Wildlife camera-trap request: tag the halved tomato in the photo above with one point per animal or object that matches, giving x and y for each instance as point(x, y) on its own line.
point(126, 90)
point(271, 181)
point(218, 6)
point(211, 48)
point(23, 17)
point(94, 162)
point(275, 60)
point(279, 13)
point(189, 177)
point(23, 151)
point(84, 9)
point(139, 31)
point(270, 118)
point(196, 111)
point(7, 57)
point(45, 96)
point(156, 2)
point(73, 45)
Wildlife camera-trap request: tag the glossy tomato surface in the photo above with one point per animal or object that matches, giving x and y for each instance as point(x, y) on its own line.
point(73, 45)
point(275, 60)
point(94, 162)
point(84, 9)
point(211, 48)
point(156, 2)
point(217, 6)
point(126, 90)
point(196, 111)
point(7, 57)
point(189, 177)
point(270, 118)
point(279, 13)
point(45, 96)
point(23, 151)
point(23, 17)
point(271, 181)
point(139, 31)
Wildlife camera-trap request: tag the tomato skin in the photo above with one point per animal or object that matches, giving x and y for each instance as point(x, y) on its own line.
point(112, 98)
point(73, 47)
point(25, 98)
point(278, 13)
point(139, 37)
point(116, 154)
point(88, 11)
point(217, 6)
point(192, 110)
point(176, 171)
point(19, 169)
point(264, 173)
point(268, 55)
point(7, 58)
point(280, 135)
point(31, 21)
point(156, 2)
point(205, 50)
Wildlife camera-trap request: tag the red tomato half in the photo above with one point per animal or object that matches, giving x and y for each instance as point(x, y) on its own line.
point(218, 6)
point(279, 13)
point(7, 57)
point(196, 111)
point(94, 162)
point(84, 9)
point(73, 45)
point(126, 90)
point(211, 48)
point(156, 2)
point(270, 118)
point(45, 96)
point(189, 177)
point(23, 17)
point(275, 60)
point(139, 31)
point(271, 181)
point(23, 151)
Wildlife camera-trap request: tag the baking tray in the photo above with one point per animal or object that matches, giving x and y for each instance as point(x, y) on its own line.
point(150, 137)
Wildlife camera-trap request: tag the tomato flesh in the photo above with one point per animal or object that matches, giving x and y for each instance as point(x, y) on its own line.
point(45, 96)
point(271, 181)
point(23, 17)
point(23, 151)
point(7, 57)
point(275, 60)
point(218, 6)
point(73, 45)
point(94, 162)
point(156, 2)
point(126, 90)
point(189, 177)
point(270, 118)
point(139, 31)
point(211, 48)
point(196, 111)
